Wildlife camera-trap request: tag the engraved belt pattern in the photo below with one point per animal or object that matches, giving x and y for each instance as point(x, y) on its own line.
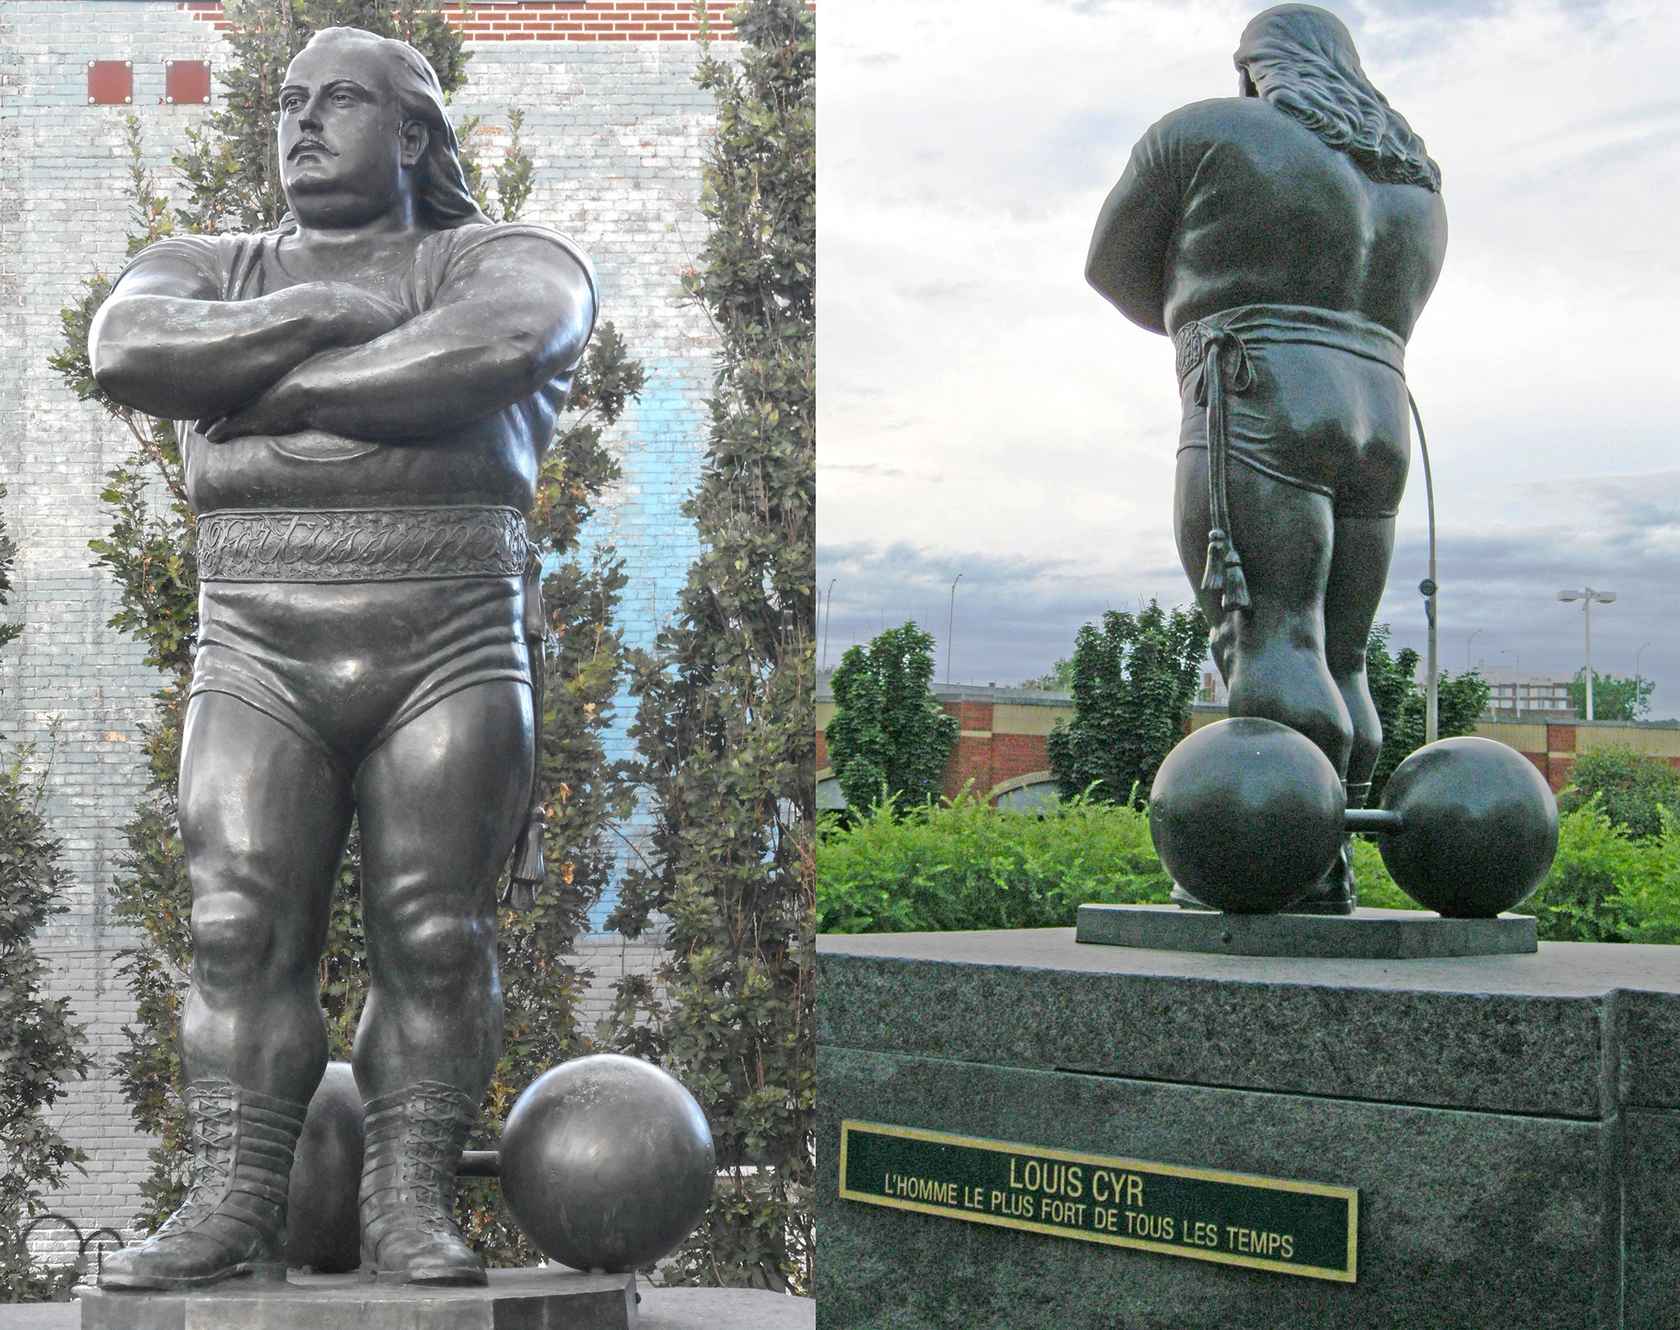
point(361, 544)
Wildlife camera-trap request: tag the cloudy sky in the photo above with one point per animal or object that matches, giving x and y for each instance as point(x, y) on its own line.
point(983, 412)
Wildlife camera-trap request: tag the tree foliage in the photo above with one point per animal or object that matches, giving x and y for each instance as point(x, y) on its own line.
point(1057, 679)
point(1402, 706)
point(725, 721)
point(228, 181)
point(889, 737)
point(1631, 789)
point(40, 1046)
point(1134, 679)
point(1614, 697)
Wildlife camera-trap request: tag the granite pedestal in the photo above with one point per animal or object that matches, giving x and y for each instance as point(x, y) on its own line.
point(1511, 1125)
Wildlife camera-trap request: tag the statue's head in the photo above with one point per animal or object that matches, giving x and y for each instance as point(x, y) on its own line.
point(1300, 59)
point(362, 129)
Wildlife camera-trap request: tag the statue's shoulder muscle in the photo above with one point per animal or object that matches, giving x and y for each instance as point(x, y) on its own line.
point(219, 266)
point(443, 253)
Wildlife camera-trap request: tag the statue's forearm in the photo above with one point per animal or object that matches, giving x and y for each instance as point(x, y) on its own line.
point(444, 368)
point(185, 359)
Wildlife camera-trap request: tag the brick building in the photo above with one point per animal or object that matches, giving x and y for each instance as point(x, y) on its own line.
point(1001, 748)
point(617, 129)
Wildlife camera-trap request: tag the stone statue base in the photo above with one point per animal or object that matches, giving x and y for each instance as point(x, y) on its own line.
point(514, 1300)
point(1511, 1125)
point(1363, 935)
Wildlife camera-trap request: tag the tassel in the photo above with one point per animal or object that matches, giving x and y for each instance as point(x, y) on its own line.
point(1213, 571)
point(1236, 585)
point(529, 870)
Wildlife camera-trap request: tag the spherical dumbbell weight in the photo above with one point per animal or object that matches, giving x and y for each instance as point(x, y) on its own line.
point(323, 1227)
point(607, 1163)
point(1475, 827)
point(1246, 815)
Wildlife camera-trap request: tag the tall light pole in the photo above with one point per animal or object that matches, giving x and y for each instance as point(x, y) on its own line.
point(1637, 676)
point(1467, 642)
point(950, 629)
point(828, 618)
point(1516, 669)
point(1587, 595)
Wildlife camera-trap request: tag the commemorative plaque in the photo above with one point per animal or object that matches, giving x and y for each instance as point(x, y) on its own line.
point(1294, 1228)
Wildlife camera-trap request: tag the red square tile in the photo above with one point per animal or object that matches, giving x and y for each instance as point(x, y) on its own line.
point(110, 82)
point(186, 82)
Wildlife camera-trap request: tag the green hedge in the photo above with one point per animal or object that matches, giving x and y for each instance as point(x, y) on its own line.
point(962, 864)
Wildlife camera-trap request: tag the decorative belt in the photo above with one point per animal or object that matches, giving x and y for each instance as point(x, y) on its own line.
point(361, 544)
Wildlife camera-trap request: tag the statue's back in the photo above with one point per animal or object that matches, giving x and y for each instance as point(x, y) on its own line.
point(1270, 214)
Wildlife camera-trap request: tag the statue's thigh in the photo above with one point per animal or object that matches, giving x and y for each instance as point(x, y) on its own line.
point(263, 810)
point(441, 801)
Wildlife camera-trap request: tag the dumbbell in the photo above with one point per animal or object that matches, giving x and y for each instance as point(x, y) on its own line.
point(606, 1162)
point(1247, 814)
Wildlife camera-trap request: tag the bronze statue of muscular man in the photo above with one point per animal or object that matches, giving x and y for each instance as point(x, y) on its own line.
point(1286, 240)
point(371, 387)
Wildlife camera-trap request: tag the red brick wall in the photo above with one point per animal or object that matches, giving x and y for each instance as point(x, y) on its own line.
point(564, 20)
point(1017, 754)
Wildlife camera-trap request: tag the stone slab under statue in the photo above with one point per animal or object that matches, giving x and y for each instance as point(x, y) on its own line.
point(512, 1300)
point(658, 1309)
point(1366, 934)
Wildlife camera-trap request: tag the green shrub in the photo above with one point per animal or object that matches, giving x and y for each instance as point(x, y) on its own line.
point(1650, 898)
point(1377, 890)
point(1633, 788)
point(965, 865)
point(1580, 898)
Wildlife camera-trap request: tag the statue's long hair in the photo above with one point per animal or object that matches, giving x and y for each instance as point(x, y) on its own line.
point(1301, 60)
point(441, 193)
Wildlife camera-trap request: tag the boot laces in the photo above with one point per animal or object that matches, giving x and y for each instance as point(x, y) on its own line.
point(212, 1112)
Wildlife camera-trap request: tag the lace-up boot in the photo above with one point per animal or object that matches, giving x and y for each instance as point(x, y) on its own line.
point(233, 1220)
point(414, 1140)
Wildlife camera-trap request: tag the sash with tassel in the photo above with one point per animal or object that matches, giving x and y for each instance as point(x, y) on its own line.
point(1223, 576)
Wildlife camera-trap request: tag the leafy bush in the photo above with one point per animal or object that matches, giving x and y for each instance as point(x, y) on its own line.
point(40, 1046)
point(962, 864)
point(889, 736)
point(1402, 706)
point(1651, 901)
point(1631, 787)
point(1134, 680)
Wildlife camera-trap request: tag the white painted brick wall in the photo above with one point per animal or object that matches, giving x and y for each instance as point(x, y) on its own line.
point(617, 130)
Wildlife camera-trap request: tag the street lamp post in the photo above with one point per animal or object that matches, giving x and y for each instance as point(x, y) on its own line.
point(1637, 676)
point(1516, 669)
point(828, 618)
point(1467, 642)
point(1587, 595)
point(951, 628)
